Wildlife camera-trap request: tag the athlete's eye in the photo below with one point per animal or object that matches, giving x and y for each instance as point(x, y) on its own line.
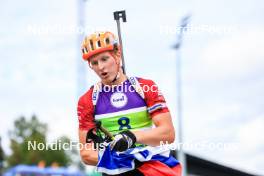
point(104, 58)
point(94, 63)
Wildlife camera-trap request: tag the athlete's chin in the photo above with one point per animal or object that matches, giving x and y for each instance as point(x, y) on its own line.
point(107, 80)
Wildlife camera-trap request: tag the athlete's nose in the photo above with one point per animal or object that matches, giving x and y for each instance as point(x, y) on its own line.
point(100, 65)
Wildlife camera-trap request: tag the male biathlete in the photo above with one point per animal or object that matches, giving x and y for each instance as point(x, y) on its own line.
point(131, 108)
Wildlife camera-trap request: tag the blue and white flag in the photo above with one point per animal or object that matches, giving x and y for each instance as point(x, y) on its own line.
point(112, 162)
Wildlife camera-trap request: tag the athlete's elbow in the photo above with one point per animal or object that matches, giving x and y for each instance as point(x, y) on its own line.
point(88, 158)
point(171, 136)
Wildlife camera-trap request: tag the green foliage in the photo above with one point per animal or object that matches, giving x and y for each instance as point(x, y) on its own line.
point(34, 131)
point(2, 156)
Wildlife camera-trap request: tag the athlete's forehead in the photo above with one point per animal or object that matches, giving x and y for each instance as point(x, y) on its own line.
point(99, 56)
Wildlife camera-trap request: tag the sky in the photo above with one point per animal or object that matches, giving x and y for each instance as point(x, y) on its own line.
point(221, 55)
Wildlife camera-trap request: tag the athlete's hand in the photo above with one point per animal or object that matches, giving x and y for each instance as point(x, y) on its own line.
point(123, 141)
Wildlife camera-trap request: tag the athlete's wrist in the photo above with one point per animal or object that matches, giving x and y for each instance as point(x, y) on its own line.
point(139, 135)
point(123, 141)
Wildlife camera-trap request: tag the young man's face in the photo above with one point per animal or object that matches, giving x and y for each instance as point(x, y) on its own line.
point(105, 66)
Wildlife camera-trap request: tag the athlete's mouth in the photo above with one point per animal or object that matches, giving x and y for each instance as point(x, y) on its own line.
point(104, 74)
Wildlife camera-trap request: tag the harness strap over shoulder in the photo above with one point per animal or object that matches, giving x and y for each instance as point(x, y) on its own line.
point(134, 82)
point(96, 91)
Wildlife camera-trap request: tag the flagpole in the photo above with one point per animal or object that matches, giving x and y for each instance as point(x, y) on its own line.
point(180, 154)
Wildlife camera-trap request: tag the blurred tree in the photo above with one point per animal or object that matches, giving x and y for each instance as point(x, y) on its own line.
point(2, 155)
point(32, 133)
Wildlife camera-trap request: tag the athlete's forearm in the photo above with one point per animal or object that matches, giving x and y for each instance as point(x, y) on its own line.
point(154, 136)
point(163, 131)
point(88, 154)
point(89, 157)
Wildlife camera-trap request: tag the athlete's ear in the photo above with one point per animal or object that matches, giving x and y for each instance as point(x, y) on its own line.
point(118, 56)
point(118, 53)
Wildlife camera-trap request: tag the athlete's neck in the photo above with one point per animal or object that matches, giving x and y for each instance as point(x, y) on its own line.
point(119, 80)
point(122, 77)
